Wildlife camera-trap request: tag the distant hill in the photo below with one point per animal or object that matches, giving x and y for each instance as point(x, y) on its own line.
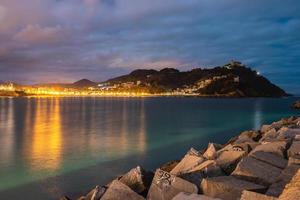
point(233, 79)
point(84, 83)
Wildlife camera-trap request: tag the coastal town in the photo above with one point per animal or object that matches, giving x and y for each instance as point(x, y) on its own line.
point(233, 80)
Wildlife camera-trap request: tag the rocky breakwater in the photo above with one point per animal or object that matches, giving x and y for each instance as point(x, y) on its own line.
point(256, 165)
point(296, 105)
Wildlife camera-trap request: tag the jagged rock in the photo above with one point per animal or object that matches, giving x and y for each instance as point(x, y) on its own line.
point(257, 171)
point(264, 128)
point(65, 198)
point(270, 158)
point(228, 160)
point(248, 195)
point(288, 133)
point(228, 187)
point(137, 179)
point(211, 151)
point(292, 190)
point(188, 196)
point(96, 193)
point(269, 135)
point(189, 161)
point(286, 175)
point(294, 150)
point(294, 160)
point(120, 191)
point(296, 105)
point(248, 136)
point(167, 167)
point(165, 186)
point(206, 169)
point(278, 147)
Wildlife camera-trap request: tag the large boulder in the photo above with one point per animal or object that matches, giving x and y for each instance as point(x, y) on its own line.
point(211, 151)
point(284, 178)
point(270, 158)
point(228, 159)
point(277, 147)
point(187, 196)
point(94, 194)
point(165, 186)
point(269, 135)
point(228, 187)
point(137, 179)
point(248, 195)
point(119, 191)
point(256, 171)
point(248, 136)
point(294, 150)
point(190, 160)
point(292, 190)
point(288, 133)
point(206, 169)
point(169, 166)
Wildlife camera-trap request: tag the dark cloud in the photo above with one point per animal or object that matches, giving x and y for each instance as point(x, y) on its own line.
point(98, 39)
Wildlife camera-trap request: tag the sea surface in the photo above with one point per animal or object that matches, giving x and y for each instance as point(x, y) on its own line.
point(51, 147)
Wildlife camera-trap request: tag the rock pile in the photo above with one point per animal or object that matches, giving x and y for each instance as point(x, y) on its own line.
point(296, 105)
point(256, 165)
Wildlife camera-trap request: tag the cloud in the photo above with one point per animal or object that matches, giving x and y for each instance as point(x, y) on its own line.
point(37, 34)
point(99, 39)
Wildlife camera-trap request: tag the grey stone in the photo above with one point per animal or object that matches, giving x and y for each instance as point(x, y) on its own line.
point(96, 193)
point(188, 196)
point(228, 160)
point(292, 190)
point(190, 160)
point(165, 186)
point(270, 158)
point(248, 195)
point(228, 187)
point(277, 147)
point(294, 150)
point(120, 191)
point(137, 179)
point(288, 133)
point(257, 171)
point(206, 169)
point(211, 151)
point(286, 175)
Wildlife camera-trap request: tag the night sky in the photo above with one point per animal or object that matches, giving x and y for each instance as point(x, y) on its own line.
point(66, 40)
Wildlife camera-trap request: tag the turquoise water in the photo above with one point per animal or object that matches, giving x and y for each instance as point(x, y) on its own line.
point(55, 146)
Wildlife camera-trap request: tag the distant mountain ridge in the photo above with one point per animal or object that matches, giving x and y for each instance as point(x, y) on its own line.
point(233, 79)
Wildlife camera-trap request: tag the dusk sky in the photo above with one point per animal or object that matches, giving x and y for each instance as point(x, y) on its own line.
point(66, 40)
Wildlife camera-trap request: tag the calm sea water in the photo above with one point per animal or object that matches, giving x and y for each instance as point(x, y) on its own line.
point(55, 146)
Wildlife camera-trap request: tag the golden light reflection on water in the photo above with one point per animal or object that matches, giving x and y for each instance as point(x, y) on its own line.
point(47, 139)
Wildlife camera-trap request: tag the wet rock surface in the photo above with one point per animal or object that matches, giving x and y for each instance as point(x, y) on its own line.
point(255, 165)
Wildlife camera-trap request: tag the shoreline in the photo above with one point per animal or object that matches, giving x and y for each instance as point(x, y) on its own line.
point(265, 162)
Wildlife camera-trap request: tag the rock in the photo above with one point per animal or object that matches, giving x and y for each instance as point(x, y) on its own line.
point(270, 158)
point(167, 167)
point(228, 187)
point(296, 105)
point(288, 133)
point(256, 171)
point(294, 150)
point(292, 190)
point(243, 147)
point(248, 195)
point(187, 196)
point(96, 193)
point(211, 151)
point(206, 169)
point(119, 191)
point(265, 128)
point(138, 180)
point(277, 147)
point(165, 186)
point(286, 175)
point(294, 160)
point(65, 198)
point(269, 135)
point(190, 160)
point(228, 160)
